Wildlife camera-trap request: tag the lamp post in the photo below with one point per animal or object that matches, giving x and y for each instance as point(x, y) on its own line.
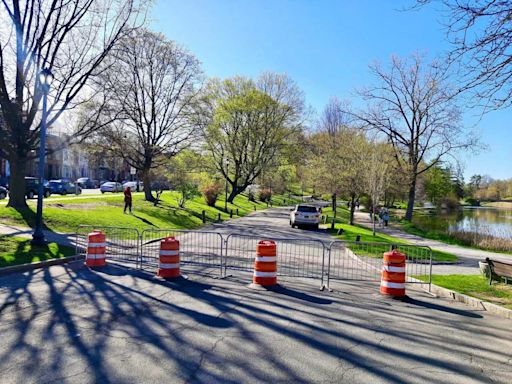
point(45, 78)
point(227, 175)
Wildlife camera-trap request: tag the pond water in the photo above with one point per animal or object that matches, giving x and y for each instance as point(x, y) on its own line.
point(490, 221)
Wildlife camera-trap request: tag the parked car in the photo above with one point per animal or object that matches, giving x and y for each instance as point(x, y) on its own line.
point(87, 183)
point(111, 186)
point(3, 193)
point(32, 187)
point(64, 187)
point(305, 215)
point(133, 185)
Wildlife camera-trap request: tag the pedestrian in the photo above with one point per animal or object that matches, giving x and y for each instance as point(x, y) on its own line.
point(386, 217)
point(381, 215)
point(357, 205)
point(127, 199)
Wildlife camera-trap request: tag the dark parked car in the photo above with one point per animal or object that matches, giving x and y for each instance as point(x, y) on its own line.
point(63, 187)
point(32, 186)
point(87, 183)
point(3, 193)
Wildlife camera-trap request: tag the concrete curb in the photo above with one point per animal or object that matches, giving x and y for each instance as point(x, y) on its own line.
point(469, 300)
point(39, 264)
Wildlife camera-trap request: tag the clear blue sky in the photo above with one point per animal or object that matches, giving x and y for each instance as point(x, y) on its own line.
point(325, 46)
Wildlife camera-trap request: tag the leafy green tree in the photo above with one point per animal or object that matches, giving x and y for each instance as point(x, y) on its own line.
point(248, 124)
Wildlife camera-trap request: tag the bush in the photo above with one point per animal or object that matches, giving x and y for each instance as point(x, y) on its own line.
point(473, 202)
point(450, 203)
point(211, 193)
point(265, 195)
point(251, 197)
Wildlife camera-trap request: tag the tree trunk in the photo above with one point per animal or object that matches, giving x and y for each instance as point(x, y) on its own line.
point(235, 191)
point(147, 186)
point(334, 204)
point(352, 208)
point(410, 202)
point(18, 166)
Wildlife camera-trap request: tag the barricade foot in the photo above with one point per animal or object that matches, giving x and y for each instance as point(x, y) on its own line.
point(259, 287)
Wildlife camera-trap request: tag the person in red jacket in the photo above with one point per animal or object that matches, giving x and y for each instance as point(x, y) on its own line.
point(128, 199)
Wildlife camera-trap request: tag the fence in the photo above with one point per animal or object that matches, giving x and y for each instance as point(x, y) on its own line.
point(216, 254)
point(199, 250)
point(363, 261)
point(295, 257)
point(123, 244)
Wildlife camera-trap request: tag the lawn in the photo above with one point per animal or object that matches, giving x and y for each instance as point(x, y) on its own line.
point(18, 250)
point(476, 286)
point(350, 233)
point(107, 210)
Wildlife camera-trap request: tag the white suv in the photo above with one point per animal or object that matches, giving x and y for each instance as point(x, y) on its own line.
point(305, 215)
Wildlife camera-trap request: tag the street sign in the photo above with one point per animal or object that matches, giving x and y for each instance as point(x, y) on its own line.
point(133, 171)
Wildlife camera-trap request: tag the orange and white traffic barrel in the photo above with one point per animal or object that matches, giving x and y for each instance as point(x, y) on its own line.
point(96, 249)
point(393, 274)
point(169, 265)
point(265, 264)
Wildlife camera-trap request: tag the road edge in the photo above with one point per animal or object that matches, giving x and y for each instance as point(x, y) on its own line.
point(39, 264)
point(468, 300)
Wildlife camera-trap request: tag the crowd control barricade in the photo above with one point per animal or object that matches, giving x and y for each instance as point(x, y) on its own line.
point(121, 244)
point(200, 251)
point(363, 261)
point(296, 257)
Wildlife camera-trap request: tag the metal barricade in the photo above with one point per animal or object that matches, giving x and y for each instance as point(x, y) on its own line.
point(363, 261)
point(295, 257)
point(122, 243)
point(200, 251)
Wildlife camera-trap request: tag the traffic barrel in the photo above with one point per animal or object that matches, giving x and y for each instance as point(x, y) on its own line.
point(169, 266)
point(265, 264)
point(96, 249)
point(393, 274)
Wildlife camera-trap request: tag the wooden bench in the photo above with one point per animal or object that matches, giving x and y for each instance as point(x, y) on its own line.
point(499, 269)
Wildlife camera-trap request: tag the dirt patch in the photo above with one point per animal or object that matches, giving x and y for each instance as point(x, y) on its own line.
point(83, 207)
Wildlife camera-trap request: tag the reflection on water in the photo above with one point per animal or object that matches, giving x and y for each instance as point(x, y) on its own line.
point(490, 221)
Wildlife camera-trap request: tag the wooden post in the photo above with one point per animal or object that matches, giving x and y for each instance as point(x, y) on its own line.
point(218, 218)
point(203, 214)
point(237, 212)
point(231, 214)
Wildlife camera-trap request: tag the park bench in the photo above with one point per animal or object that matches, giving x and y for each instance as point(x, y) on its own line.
point(499, 269)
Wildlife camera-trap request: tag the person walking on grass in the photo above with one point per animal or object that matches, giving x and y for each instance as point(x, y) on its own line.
point(127, 199)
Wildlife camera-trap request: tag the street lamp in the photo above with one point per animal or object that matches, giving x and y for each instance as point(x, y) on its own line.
point(45, 79)
point(227, 175)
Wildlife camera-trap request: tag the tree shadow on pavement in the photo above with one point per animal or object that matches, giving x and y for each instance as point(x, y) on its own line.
point(123, 325)
point(442, 308)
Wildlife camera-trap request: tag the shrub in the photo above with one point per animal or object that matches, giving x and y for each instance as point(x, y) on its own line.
point(211, 193)
point(251, 197)
point(265, 195)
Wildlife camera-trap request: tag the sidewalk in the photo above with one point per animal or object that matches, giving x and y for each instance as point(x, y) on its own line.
point(468, 257)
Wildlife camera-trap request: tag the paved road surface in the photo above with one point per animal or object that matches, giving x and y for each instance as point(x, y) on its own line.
point(68, 324)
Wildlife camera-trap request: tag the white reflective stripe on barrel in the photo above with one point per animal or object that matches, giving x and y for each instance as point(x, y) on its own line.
point(266, 258)
point(389, 284)
point(95, 257)
point(169, 266)
point(390, 268)
point(165, 252)
point(96, 253)
point(265, 274)
point(93, 245)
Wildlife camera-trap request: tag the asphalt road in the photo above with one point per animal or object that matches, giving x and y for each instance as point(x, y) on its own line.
point(69, 324)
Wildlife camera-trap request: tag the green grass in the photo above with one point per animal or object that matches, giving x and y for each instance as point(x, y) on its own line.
point(350, 233)
point(476, 286)
point(107, 210)
point(18, 250)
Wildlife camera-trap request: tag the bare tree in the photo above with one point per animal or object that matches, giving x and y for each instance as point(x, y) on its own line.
point(413, 106)
point(71, 38)
point(248, 124)
point(480, 33)
point(153, 82)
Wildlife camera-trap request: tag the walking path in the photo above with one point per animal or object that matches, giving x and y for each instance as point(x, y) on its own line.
point(468, 257)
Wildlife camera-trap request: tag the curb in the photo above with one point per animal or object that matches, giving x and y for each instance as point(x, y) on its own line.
point(468, 300)
point(39, 264)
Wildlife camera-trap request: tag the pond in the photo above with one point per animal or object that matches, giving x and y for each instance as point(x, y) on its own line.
point(495, 222)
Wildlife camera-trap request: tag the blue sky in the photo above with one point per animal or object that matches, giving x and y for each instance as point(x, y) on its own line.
point(325, 46)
